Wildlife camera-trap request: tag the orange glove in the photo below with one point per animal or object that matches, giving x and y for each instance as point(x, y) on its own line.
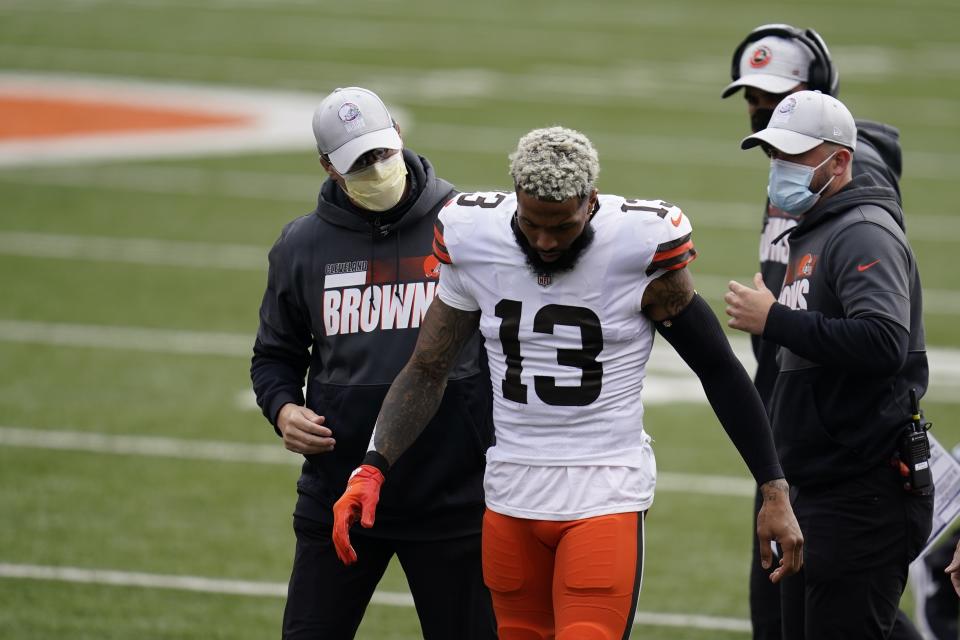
point(359, 499)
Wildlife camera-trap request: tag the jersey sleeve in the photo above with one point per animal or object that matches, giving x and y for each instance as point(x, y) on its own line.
point(439, 243)
point(452, 289)
point(675, 248)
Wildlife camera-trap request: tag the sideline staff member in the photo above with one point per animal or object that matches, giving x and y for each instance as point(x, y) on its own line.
point(851, 339)
point(347, 287)
point(773, 61)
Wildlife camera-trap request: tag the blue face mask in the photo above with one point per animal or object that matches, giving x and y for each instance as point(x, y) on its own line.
point(789, 185)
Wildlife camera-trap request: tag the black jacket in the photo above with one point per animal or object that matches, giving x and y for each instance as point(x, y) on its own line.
point(345, 294)
point(849, 324)
point(878, 155)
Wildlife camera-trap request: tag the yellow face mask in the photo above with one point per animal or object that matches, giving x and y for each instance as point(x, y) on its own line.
point(380, 186)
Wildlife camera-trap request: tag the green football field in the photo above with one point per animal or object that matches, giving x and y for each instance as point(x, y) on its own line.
point(142, 495)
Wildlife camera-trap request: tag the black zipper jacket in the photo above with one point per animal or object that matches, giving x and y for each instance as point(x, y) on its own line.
point(850, 329)
point(878, 155)
point(345, 295)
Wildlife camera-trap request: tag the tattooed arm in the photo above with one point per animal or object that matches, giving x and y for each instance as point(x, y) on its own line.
point(412, 400)
point(668, 295)
point(417, 390)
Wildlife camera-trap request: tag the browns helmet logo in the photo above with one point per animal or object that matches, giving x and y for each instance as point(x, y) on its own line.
point(806, 265)
point(431, 267)
point(760, 57)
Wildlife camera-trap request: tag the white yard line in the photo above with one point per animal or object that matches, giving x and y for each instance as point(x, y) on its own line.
point(149, 580)
point(147, 446)
point(252, 588)
point(127, 338)
point(150, 251)
point(187, 449)
point(691, 621)
point(134, 251)
point(668, 379)
point(278, 187)
point(302, 188)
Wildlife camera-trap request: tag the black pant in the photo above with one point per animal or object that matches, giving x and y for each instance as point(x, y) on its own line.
point(765, 615)
point(860, 536)
point(326, 600)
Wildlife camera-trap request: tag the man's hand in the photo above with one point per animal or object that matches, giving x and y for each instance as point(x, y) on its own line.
point(748, 308)
point(954, 569)
point(359, 499)
point(776, 522)
point(303, 430)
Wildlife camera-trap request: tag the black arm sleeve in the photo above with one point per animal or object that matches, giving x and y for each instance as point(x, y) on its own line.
point(281, 353)
point(872, 343)
point(696, 335)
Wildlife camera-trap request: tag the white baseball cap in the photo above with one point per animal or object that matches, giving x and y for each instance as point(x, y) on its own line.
point(772, 64)
point(350, 122)
point(804, 120)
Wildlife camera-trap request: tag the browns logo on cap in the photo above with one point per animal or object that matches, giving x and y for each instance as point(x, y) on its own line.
point(761, 57)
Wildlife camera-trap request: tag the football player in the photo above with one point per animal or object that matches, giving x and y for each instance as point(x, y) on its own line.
point(567, 286)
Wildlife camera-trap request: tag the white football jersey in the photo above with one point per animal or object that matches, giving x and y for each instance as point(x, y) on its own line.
point(567, 352)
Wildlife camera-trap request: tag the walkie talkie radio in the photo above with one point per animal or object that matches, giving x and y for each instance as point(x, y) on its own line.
point(915, 452)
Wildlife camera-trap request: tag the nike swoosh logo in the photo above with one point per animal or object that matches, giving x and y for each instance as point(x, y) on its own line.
point(676, 221)
point(864, 267)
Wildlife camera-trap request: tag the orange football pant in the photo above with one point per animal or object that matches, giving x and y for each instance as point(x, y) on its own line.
point(568, 580)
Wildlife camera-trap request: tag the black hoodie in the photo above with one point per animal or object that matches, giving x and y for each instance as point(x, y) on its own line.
point(346, 292)
point(878, 155)
point(849, 324)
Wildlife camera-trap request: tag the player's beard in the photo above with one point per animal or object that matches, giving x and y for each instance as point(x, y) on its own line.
point(567, 260)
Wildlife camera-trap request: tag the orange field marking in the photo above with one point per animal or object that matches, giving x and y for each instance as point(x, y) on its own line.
point(43, 118)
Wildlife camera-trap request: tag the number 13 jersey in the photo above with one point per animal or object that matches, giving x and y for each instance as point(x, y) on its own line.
point(567, 351)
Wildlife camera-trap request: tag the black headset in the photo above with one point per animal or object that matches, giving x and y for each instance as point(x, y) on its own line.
point(821, 76)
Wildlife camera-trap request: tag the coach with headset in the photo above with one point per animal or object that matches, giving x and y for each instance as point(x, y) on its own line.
point(773, 61)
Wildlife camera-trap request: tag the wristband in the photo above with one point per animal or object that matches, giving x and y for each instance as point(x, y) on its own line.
point(376, 459)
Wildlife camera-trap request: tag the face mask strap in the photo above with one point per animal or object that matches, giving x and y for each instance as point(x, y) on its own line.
point(805, 166)
point(372, 168)
point(827, 159)
point(824, 187)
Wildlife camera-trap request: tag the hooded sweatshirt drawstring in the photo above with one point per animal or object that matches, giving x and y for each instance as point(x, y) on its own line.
point(396, 273)
point(781, 236)
point(373, 242)
point(377, 231)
